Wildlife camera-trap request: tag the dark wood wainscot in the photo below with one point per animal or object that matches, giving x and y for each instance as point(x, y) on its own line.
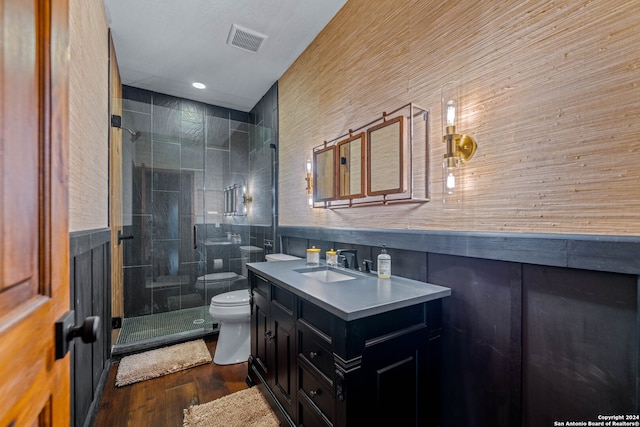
point(320, 370)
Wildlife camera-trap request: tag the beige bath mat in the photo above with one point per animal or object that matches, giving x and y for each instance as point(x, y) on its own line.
point(240, 409)
point(163, 361)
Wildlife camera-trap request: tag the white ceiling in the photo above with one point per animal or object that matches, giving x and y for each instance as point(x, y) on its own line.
point(165, 45)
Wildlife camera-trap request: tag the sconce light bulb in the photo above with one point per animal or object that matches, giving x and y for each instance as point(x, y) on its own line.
point(451, 181)
point(310, 201)
point(451, 113)
point(308, 165)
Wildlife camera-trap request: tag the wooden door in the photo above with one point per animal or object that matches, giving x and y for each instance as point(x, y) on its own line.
point(115, 190)
point(34, 235)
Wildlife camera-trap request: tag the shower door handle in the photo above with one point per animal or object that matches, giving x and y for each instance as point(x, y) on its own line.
point(122, 237)
point(195, 237)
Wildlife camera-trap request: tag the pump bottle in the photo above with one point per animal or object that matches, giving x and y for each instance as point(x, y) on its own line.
point(384, 264)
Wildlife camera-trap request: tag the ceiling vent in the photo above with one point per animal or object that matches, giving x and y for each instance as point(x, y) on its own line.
point(245, 39)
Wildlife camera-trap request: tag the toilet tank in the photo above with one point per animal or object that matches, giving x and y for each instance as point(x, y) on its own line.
point(280, 257)
point(250, 254)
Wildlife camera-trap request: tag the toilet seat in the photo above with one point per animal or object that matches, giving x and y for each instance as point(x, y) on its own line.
point(231, 299)
point(216, 283)
point(217, 277)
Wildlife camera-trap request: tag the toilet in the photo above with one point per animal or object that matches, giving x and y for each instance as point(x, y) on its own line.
point(213, 284)
point(250, 254)
point(280, 257)
point(232, 311)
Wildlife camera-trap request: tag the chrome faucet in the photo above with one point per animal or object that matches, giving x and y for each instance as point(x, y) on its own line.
point(354, 258)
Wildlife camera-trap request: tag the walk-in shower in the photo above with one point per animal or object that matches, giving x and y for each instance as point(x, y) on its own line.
point(176, 165)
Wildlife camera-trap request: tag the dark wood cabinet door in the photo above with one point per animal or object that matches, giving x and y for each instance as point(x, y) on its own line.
point(393, 385)
point(284, 358)
point(260, 332)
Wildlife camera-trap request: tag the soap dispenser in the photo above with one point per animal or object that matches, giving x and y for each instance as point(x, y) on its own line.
point(384, 264)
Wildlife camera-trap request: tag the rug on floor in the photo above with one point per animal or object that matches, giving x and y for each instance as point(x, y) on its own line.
point(162, 361)
point(240, 409)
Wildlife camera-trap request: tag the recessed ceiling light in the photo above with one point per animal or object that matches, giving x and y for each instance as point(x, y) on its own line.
point(198, 85)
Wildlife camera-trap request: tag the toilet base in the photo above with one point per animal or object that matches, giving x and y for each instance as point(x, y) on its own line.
point(234, 343)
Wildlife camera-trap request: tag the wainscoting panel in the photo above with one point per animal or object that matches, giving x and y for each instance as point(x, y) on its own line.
point(528, 338)
point(580, 344)
point(481, 340)
point(81, 354)
point(90, 296)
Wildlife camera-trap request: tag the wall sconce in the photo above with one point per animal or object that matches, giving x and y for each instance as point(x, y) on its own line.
point(246, 198)
point(309, 179)
point(460, 147)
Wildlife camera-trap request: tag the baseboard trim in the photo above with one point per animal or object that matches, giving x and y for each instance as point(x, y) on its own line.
point(95, 404)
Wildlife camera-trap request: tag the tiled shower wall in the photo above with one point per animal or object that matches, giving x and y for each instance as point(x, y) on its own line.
point(263, 161)
point(174, 175)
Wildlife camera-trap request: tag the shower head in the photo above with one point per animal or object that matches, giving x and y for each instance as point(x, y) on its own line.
point(134, 135)
point(116, 122)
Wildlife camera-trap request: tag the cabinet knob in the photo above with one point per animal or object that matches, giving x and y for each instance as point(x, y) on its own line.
point(313, 355)
point(314, 393)
point(269, 336)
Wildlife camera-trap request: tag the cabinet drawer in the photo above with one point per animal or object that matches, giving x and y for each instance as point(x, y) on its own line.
point(310, 416)
point(260, 285)
point(316, 317)
point(311, 348)
point(284, 298)
point(318, 393)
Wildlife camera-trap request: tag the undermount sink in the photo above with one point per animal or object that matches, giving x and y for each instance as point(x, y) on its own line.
point(325, 275)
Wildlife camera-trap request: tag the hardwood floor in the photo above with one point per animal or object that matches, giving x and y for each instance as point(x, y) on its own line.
point(160, 401)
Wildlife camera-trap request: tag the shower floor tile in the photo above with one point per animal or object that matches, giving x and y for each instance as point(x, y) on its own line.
point(162, 324)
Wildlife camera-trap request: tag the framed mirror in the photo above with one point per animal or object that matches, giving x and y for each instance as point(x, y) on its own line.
point(351, 167)
point(324, 161)
point(385, 157)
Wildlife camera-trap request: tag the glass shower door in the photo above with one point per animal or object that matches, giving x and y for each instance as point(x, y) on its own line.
point(163, 199)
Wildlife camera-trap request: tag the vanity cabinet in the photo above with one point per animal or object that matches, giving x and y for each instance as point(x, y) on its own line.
point(273, 351)
point(322, 370)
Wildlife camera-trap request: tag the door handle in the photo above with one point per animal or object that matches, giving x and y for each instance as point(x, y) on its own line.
point(66, 331)
point(195, 237)
point(122, 237)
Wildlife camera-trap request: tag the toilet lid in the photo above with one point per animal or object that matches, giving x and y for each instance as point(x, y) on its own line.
point(253, 249)
point(233, 298)
point(280, 257)
point(216, 277)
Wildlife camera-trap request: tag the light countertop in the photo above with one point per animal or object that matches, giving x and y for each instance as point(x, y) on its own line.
point(362, 296)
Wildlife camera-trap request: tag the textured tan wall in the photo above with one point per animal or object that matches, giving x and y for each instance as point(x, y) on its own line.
point(88, 116)
point(550, 90)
